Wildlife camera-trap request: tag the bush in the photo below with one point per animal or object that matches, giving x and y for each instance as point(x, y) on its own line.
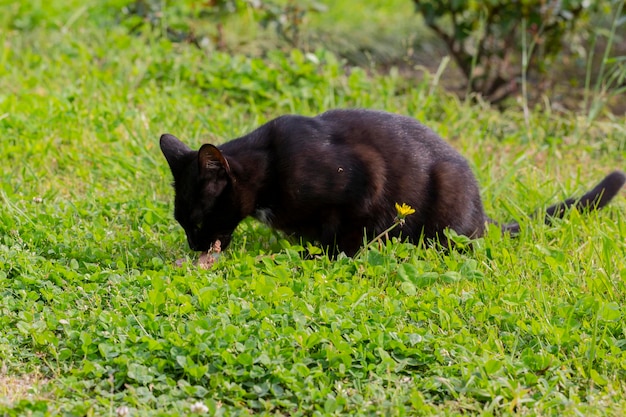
point(494, 41)
point(285, 18)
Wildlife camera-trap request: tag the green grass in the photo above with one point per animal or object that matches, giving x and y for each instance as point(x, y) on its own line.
point(94, 315)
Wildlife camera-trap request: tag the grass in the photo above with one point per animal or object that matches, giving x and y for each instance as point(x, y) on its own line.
point(95, 319)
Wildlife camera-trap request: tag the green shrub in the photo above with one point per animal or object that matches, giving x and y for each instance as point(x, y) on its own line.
point(177, 20)
point(493, 41)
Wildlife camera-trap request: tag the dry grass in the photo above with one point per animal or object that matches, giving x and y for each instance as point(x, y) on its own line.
point(14, 388)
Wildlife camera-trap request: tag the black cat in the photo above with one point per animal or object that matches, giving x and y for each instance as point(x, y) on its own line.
point(335, 179)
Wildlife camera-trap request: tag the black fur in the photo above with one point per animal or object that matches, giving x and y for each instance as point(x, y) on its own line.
point(330, 177)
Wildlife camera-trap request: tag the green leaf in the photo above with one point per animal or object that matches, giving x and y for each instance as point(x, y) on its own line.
point(140, 373)
point(409, 288)
point(610, 311)
point(245, 359)
point(597, 378)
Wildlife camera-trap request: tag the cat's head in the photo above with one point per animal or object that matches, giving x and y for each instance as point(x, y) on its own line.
point(204, 203)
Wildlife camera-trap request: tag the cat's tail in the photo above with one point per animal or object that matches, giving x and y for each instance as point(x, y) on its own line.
point(596, 198)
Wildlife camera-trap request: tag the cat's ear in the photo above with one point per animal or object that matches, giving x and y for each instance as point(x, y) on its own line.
point(210, 159)
point(174, 150)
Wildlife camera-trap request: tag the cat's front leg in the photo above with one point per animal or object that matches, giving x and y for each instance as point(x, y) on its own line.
point(348, 242)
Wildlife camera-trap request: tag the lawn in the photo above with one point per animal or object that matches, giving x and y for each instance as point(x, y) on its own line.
point(96, 319)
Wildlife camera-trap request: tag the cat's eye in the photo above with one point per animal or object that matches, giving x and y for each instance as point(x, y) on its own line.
point(199, 226)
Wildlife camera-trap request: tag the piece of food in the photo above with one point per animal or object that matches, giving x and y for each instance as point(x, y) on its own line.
point(208, 258)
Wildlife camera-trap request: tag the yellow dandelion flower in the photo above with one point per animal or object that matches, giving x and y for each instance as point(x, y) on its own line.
point(404, 210)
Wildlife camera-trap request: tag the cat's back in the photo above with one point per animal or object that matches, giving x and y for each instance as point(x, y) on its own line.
point(392, 133)
point(405, 144)
point(377, 141)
